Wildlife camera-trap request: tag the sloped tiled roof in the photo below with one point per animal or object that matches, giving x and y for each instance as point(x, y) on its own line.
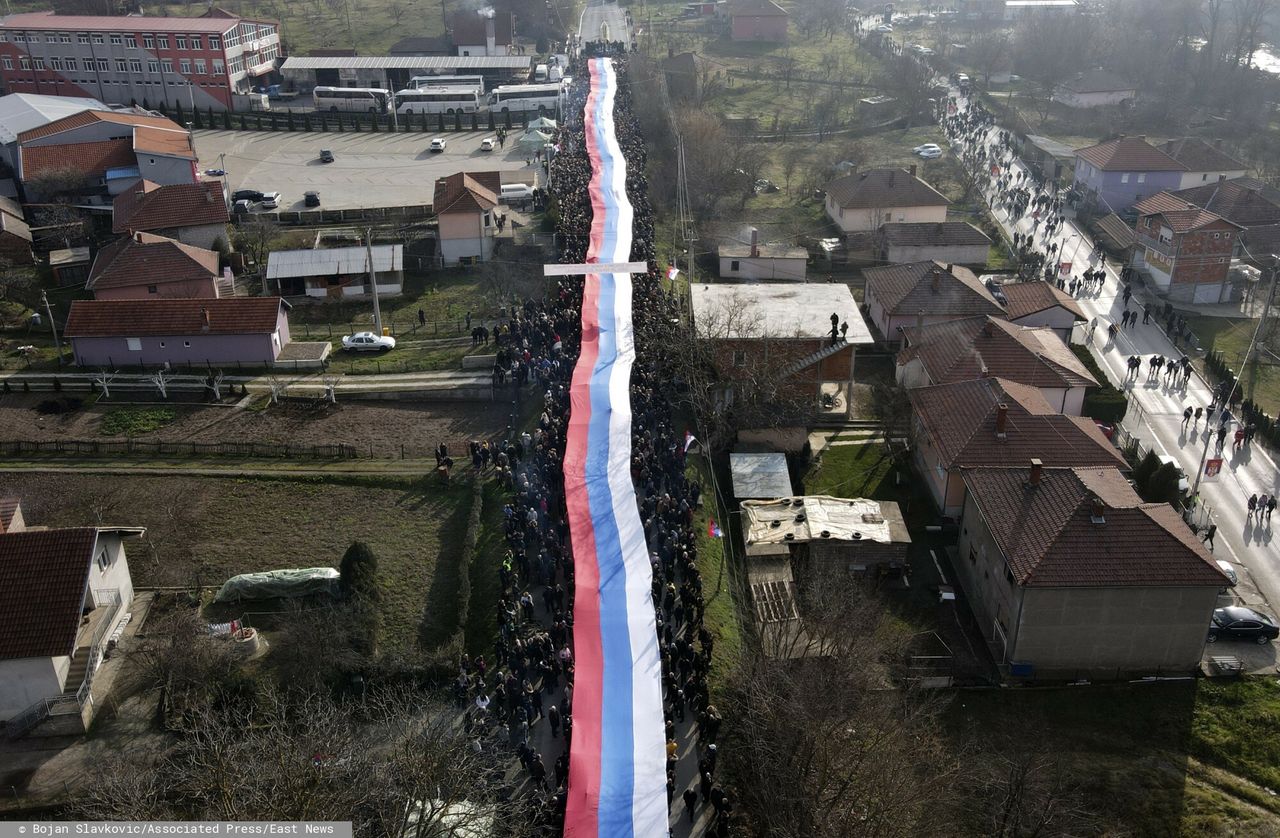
point(756, 8)
point(43, 576)
point(467, 192)
point(930, 288)
point(1027, 298)
point(1199, 156)
point(1161, 202)
point(1181, 215)
point(14, 226)
point(960, 419)
point(884, 188)
point(1240, 200)
point(93, 159)
point(149, 206)
point(1097, 81)
point(171, 143)
point(1117, 233)
point(137, 318)
point(79, 120)
point(1129, 154)
point(1050, 537)
point(935, 234)
point(148, 259)
point(976, 347)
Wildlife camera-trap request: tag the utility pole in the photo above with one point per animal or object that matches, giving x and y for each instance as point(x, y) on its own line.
point(48, 310)
point(373, 281)
point(1262, 327)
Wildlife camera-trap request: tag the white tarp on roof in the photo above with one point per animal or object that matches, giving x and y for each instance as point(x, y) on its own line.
point(286, 264)
point(814, 518)
point(760, 476)
point(23, 111)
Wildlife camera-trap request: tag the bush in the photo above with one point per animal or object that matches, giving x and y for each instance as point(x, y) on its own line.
point(1149, 465)
point(1163, 485)
point(1104, 402)
point(358, 572)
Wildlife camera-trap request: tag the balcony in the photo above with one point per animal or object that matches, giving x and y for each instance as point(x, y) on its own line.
point(1143, 239)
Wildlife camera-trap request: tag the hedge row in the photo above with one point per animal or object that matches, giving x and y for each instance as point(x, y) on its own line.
point(1104, 403)
point(1267, 427)
point(347, 122)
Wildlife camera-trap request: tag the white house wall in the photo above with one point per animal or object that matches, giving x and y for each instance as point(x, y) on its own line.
point(792, 270)
point(24, 681)
point(116, 574)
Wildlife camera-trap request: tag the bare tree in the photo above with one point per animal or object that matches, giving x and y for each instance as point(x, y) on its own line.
point(103, 379)
point(256, 239)
point(989, 53)
point(160, 380)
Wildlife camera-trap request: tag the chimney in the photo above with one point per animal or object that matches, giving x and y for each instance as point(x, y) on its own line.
point(912, 170)
point(987, 329)
point(755, 243)
point(920, 319)
point(1218, 143)
point(951, 267)
point(935, 282)
point(1002, 419)
point(1036, 467)
point(892, 172)
point(204, 319)
point(1221, 178)
point(1096, 510)
point(490, 36)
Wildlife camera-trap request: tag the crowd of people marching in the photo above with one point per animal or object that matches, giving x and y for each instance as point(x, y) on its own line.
point(528, 681)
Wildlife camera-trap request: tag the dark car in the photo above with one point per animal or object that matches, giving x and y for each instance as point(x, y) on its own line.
point(326, 156)
point(246, 195)
point(1239, 623)
point(311, 199)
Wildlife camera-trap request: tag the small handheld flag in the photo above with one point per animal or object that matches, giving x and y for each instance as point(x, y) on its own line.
point(689, 439)
point(713, 529)
point(672, 272)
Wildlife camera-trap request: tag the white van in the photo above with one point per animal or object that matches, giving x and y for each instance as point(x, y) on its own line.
point(540, 74)
point(515, 192)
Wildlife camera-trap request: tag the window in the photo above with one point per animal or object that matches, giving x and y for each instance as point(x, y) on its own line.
point(1204, 177)
point(200, 66)
point(153, 289)
point(1008, 575)
point(187, 343)
point(186, 67)
point(1217, 235)
point(218, 67)
point(103, 65)
point(1142, 177)
point(195, 42)
point(39, 63)
point(739, 358)
point(26, 62)
point(83, 37)
point(888, 216)
point(135, 65)
point(1226, 235)
point(104, 558)
point(180, 41)
point(56, 64)
point(149, 41)
point(215, 42)
point(134, 344)
point(117, 39)
point(97, 37)
point(153, 66)
point(122, 66)
point(8, 62)
point(64, 37)
point(131, 41)
point(733, 265)
point(166, 65)
point(1124, 178)
point(163, 41)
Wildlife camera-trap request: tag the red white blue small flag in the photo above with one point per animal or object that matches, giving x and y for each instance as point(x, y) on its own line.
point(689, 439)
point(672, 272)
point(713, 529)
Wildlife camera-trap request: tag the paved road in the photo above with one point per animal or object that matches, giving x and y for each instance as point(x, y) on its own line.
point(1156, 417)
point(599, 13)
point(370, 170)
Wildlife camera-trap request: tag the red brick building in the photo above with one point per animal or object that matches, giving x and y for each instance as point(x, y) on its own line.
point(1185, 250)
point(757, 20)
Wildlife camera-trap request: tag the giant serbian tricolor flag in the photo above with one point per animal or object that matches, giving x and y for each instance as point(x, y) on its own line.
point(617, 764)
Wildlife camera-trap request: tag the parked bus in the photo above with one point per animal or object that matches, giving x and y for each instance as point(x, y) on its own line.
point(364, 99)
point(448, 100)
point(447, 81)
point(544, 98)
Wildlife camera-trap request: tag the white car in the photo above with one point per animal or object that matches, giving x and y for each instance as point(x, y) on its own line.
point(437, 144)
point(270, 200)
point(884, 27)
point(929, 151)
point(1184, 485)
point(368, 342)
point(488, 143)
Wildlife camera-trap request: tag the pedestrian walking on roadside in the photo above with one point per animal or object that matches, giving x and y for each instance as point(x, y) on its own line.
point(1207, 538)
point(1128, 293)
point(1253, 504)
point(690, 802)
point(1198, 414)
point(1238, 441)
point(1271, 507)
point(1222, 437)
point(1186, 418)
point(1262, 505)
point(1146, 315)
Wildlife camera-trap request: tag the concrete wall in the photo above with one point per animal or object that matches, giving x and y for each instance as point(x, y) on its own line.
point(866, 220)
point(1057, 318)
point(1093, 100)
point(166, 171)
point(199, 235)
point(1190, 179)
point(114, 575)
point(176, 349)
point(995, 600)
point(1118, 190)
point(968, 254)
point(945, 487)
point(763, 268)
point(24, 681)
point(466, 235)
point(206, 289)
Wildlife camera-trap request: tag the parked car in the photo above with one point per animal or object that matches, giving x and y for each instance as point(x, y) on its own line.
point(242, 206)
point(928, 151)
point(1230, 571)
point(1236, 622)
point(326, 155)
point(368, 342)
point(437, 144)
point(214, 172)
point(251, 195)
point(270, 200)
point(311, 198)
point(764, 185)
point(515, 192)
point(488, 143)
point(884, 27)
point(1184, 485)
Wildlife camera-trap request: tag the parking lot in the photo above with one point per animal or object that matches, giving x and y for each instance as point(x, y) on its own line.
point(369, 170)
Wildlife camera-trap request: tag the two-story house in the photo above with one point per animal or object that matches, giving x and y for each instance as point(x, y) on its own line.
point(1185, 250)
point(863, 201)
point(1121, 172)
point(1206, 162)
point(192, 213)
point(898, 296)
point(1245, 201)
point(1069, 573)
point(465, 205)
point(986, 346)
point(1040, 303)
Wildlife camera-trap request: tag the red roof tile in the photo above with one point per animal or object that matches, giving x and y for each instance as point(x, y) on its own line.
point(171, 143)
point(93, 159)
point(931, 288)
point(467, 192)
point(166, 207)
point(148, 259)
point(1129, 154)
point(1026, 298)
point(83, 118)
point(974, 347)
point(882, 189)
point(1199, 156)
point(1052, 536)
point(1161, 202)
point(136, 318)
point(960, 420)
point(215, 23)
point(43, 577)
point(1236, 200)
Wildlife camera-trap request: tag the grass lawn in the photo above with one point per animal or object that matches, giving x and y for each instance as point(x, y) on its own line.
point(205, 530)
point(1185, 758)
point(720, 594)
point(408, 356)
point(482, 625)
point(852, 471)
point(1231, 337)
point(135, 421)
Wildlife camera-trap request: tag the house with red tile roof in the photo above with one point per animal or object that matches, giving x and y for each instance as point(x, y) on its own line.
point(1206, 162)
point(465, 205)
point(989, 422)
point(986, 346)
point(757, 20)
point(1040, 303)
point(921, 293)
point(863, 201)
point(231, 331)
point(1119, 173)
point(109, 149)
point(193, 213)
point(1096, 88)
point(63, 593)
point(1071, 575)
point(144, 266)
point(1184, 249)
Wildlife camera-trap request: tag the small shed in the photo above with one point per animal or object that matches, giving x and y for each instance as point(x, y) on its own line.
point(764, 262)
point(757, 476)
point(336, 272)
point(830, 536)
point(70, 265)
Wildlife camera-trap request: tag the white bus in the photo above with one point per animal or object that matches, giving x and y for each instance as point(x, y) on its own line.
point(544, 98)
point(363, 99)
point(447, 100)
point(447, 81)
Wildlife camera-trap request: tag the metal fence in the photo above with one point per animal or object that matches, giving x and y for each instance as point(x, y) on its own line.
point(148, 448)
